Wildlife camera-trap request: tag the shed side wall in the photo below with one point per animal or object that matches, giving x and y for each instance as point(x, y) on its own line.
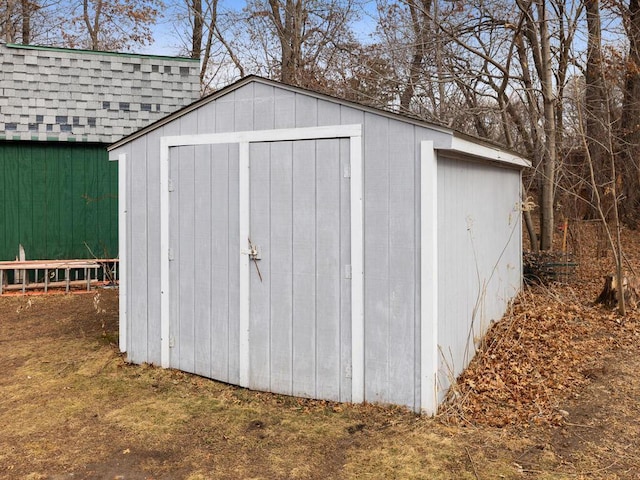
point(479, 264)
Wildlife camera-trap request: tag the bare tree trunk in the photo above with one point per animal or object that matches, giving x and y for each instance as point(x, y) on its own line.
point(26, 22)
point(536, 31)
point(595, 106)
point(597, 139)
point(196, 37)
point(420, 25)
point(8, 29)
point(630, 123)
point(93, 24)
point(290, 35)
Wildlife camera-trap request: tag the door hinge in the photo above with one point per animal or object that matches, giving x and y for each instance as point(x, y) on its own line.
point(170, 254)
point(171, 186)
point(172, 341)
point(347, 271)
point(347, 171)
point(348, 371)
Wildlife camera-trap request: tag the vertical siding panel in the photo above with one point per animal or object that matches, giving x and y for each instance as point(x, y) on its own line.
point(37, 248)
point(112, 214)
point(285, 108)
point(264, 107)
point(103, 203)
point(48, 195)
point(330, 267)
point(90, 202)
point(67, 185)
point(225, 113)
point(233, 282)
point(306, 111)
point(80, 221)
point(328, 113)
point(24, 203)
point(206, 118)
point(259, 324)
point(203, 261)
point(4, 200)
point(281, 303)
point(11, 215)
point(304, 270)
point(138, 273)
point(218, 244)
point(243, 108)
point(64, 238)
point(376, 261)
point(151, 288)
point(12, 185)
point(402, 262)
point(185, 338)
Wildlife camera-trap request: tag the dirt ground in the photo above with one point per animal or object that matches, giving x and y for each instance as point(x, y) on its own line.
point(72, 408)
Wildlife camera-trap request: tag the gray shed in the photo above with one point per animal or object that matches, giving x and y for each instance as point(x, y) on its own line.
point(292, 242)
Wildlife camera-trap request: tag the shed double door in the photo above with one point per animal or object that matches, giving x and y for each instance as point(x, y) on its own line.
point(298, 213)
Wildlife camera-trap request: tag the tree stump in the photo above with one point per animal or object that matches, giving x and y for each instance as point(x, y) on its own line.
point(630, 289)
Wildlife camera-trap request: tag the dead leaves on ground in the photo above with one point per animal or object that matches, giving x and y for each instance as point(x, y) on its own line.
point(541, 353)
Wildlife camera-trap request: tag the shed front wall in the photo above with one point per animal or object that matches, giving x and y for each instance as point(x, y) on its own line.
point(479, 256)
point(391, 198)
point(391, 226)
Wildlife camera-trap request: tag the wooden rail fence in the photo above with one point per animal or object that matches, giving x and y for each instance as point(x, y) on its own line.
point(57, 274)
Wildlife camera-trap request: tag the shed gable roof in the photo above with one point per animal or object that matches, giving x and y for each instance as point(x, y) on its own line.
point(80, 95)
point(457, 143)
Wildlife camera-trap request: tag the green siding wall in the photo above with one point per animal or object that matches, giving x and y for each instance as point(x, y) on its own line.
point(54, 198)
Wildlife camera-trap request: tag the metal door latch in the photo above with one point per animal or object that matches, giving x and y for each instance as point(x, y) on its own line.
point(254, 254)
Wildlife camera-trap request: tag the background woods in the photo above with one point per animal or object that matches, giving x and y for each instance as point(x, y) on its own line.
point(558, 81)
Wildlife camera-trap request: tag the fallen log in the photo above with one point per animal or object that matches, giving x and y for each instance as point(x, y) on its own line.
point(630, 289)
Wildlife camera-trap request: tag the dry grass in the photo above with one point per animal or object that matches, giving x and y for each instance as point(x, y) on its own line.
point(69, 404)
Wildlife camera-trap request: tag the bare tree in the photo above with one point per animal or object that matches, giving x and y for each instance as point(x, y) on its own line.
point(15, 23)
point(630, 122)
point(297, 41)
point(420, 12)
point(109, 24)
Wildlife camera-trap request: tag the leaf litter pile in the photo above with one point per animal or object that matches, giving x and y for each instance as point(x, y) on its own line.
point(549, 345)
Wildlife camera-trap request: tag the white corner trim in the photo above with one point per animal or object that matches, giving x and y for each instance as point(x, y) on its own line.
point(244, 282)
point(165, 359)
point(122, 251)
point(428, 279)
point(357, 269)
point(468, 147)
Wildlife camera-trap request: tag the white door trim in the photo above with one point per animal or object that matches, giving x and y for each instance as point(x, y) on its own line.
point(245, 263)
point(122, 249)
point(354, 134)
point(428, 278)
